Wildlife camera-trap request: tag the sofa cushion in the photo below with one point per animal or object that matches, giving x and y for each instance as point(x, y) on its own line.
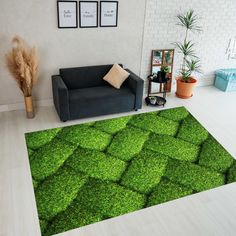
point(95, 93)
point(85, 77)
point(116, 76)
point(100, 101)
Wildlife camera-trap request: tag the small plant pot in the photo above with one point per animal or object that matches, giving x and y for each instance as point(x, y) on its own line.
point(164, 77)
point(161, 77)
point(29, 107)
point(185, 90)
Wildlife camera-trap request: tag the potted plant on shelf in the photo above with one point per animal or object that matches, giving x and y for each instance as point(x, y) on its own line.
point(22, 62)
point(191, 63)
point(164, 71)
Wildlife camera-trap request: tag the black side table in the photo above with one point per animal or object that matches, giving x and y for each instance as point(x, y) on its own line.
point(158, 80)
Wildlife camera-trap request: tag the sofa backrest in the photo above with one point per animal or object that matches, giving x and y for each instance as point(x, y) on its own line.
point(85, 77)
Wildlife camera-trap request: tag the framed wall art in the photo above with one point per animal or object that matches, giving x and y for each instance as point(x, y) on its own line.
point(108, 13)
point(67, 14)
point(88, 14)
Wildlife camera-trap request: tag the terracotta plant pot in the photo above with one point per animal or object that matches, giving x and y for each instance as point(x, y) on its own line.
point(185, 90)
point(29, 107)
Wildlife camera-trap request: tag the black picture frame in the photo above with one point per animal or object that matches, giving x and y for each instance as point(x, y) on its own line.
point(80, 15)
point(58, 15)
point(101, 7)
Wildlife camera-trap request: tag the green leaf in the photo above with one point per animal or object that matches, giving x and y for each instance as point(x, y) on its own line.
point(189, 21)
point(186, 48)
point(185, 75)
point(193, 65)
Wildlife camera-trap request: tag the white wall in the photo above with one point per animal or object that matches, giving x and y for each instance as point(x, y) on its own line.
point(36, 21)
point(218, 18)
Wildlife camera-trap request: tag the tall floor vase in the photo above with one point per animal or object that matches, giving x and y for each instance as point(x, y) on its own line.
point(29, 107)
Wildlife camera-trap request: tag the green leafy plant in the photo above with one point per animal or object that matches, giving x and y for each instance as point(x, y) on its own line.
point(165, 69)
point(167, 57)
point(191, 62)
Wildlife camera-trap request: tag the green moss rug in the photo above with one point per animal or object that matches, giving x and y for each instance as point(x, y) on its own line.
point(86, 173)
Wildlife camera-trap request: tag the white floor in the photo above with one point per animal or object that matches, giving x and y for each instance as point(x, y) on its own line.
point(209, 213)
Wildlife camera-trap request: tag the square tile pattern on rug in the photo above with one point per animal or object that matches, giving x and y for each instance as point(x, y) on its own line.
point(86, 173)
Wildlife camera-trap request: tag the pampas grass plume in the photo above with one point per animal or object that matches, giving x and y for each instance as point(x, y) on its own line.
point(22, 63)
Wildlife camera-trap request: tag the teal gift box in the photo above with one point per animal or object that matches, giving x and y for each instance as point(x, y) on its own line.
point(226, 80)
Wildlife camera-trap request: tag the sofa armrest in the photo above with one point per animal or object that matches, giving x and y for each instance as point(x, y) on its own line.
point(135, 83)
point(60, 97)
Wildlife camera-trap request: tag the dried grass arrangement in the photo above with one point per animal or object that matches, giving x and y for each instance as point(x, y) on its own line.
point(22, 63)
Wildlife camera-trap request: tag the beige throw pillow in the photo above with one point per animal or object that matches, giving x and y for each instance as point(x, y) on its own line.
point(116, 76)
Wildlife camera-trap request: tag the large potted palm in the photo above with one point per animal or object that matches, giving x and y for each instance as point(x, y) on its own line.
point(191, 63)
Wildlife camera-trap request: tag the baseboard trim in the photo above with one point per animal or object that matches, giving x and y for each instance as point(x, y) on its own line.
point(21, 105)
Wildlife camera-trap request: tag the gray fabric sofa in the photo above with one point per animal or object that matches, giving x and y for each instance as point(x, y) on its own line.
point(81, 92)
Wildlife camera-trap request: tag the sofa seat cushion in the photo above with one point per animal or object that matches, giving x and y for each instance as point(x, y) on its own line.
point(100, 101)
point(95, 93)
